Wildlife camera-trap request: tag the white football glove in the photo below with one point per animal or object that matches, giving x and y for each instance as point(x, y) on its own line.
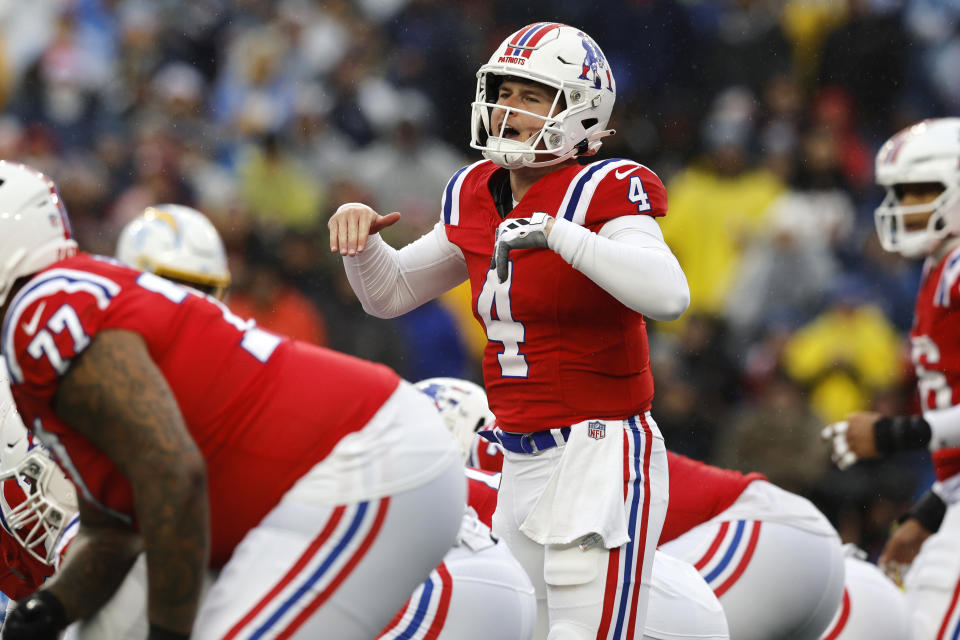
point(518, 233)
point(836, 434)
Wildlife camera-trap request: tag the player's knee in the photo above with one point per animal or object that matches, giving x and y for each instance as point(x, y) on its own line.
point(568, 565)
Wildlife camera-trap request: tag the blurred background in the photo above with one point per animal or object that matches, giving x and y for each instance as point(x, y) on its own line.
point(761, 117)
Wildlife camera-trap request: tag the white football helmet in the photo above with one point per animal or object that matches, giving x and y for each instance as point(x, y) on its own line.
point(928, 151)
point(178, 243)
point(34, 227)
point(36, 500)
point(558, 56)
point(462, 405)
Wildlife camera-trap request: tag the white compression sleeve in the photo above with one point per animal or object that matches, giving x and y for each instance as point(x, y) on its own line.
point(629, 260)
point(944, 427)
point(390, 282)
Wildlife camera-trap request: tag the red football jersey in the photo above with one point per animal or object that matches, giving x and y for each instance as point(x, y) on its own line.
point(261, 408)
point(485, 455)
point(482, 487)
point(935, 346)
point(698, 492)
point(559, 348)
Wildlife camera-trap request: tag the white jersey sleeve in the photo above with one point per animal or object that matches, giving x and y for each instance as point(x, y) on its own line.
point(390, 282)
point(627, 250)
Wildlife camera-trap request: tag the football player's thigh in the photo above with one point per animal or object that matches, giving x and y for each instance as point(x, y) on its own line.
point(934, 580)
point(492, 597)
point(773, 580)
point(521, 484)
point(681, 604)
point(529, 555)
point(340, 572)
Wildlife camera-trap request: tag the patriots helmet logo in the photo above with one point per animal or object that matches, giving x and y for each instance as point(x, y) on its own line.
point(594, 66)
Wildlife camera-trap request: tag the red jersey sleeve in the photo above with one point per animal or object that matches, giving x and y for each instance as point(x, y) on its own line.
point(627, 189)
point(50, 323)
point(482, 487)
point(610, 189)
point(485, 455)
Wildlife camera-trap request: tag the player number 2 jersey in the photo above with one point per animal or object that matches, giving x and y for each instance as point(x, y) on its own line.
point(559, 348)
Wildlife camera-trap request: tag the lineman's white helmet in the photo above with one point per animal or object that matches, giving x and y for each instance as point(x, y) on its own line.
point(178, 243)
point(34, 227)
point(462, 405)
point(558, 56)
point(36, 499)
point(928, 151)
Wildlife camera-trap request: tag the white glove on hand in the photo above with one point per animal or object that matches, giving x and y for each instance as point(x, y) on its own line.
point(836, 433)
point(518, 233)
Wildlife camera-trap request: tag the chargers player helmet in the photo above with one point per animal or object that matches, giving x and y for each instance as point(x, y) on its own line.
point(37, 501)
point(559, 56)
point(34, 227)
point(927, 152)
point(462, 405)
point(178, 243)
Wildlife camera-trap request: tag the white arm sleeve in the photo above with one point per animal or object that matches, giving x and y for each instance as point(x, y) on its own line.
point(629, 260)
point(390, 282)
point(944, 427)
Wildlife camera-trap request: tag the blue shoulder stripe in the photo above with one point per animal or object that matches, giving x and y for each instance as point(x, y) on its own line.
point(581, 183)
point(448, 195)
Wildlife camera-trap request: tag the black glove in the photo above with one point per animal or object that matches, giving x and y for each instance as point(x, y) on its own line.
point(37, 617)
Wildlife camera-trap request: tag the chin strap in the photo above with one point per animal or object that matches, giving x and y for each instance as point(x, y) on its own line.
point(581, 149)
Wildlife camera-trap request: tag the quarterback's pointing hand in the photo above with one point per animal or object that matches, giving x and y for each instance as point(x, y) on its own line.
point(519, 233)
point(352, 223)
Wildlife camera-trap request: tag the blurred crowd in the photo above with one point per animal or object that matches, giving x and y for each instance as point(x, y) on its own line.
point(761, 116)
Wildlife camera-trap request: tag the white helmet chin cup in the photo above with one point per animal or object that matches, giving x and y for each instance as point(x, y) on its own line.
point(36, 500)
point(557, 56)
point(34, 227)
point(509, 154)
point(927, 152)
point(463, 407)
point(179, 243)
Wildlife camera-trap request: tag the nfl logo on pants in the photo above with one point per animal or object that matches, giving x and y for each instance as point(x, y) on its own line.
point(596, 429)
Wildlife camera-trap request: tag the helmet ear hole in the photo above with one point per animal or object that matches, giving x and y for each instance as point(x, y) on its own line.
point(939, 224)
point(589, 122)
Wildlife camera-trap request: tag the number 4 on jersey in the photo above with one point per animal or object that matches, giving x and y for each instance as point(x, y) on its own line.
point(503, 329)
point(638, 195)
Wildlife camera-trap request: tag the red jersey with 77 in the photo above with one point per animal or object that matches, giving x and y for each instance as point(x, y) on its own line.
point(262, 409)
point(559, 348)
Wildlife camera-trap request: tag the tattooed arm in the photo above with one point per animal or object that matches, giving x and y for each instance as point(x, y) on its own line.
point(116, 397)
point(97, 562)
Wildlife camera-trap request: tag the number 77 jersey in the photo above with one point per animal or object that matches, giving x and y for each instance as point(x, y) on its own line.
point(559, 348)
point(258, 406)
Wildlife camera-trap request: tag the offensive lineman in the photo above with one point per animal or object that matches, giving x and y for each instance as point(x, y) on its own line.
point(745, 535)
point(566, 367)
point(920, 217)
point(180, 244)
point(159, 402)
